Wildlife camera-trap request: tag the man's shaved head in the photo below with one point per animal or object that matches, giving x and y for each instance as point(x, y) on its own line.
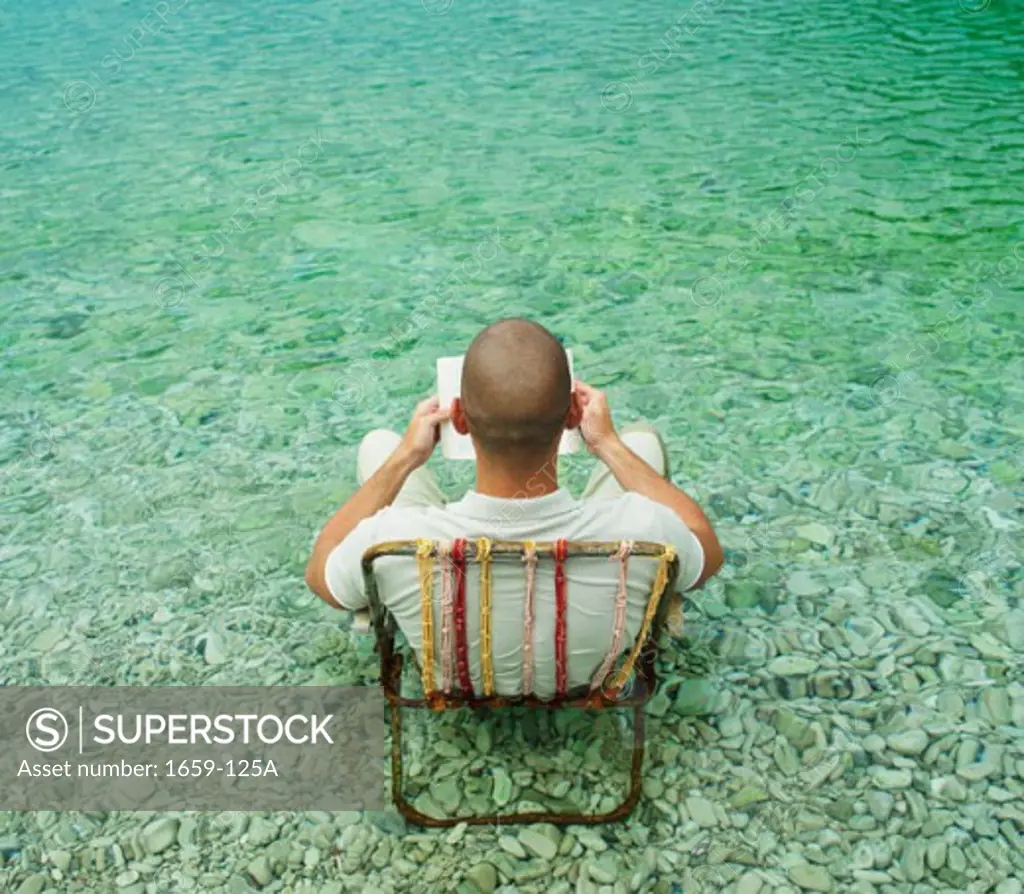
point(516, 388)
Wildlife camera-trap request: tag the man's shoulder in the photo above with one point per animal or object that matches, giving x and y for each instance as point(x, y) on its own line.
point(393, 522)
point(634, 514)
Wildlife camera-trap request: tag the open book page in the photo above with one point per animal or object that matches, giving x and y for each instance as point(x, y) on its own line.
point(449, 386)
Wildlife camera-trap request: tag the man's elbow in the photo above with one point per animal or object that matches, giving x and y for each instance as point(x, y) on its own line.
point(714, 559)
point(317, 582)
point(313, 576)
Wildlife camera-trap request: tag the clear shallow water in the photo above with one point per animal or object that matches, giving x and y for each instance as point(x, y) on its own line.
point(791, 237)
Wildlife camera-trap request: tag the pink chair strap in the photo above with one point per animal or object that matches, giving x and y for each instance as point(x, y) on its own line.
point(619, 622)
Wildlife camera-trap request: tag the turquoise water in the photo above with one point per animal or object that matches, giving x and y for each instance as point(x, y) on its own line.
point(234, 237)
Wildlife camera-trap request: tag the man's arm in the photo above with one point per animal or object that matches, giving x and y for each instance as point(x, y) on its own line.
point(635, 475)
point(379, 491)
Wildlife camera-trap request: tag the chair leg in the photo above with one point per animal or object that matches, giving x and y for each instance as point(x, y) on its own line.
point(622, 811)
point(636, 770)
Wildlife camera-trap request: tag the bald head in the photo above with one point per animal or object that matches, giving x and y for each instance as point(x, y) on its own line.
point(516, 389)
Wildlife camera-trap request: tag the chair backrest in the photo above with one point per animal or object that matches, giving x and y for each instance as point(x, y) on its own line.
point(446, 678)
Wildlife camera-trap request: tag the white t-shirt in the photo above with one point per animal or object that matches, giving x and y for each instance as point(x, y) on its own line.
point(592, 583)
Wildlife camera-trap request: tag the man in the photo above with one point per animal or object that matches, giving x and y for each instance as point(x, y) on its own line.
point(517, 398)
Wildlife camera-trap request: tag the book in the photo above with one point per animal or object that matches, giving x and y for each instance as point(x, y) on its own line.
point(449, 386)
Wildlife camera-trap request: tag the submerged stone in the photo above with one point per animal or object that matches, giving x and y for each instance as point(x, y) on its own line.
point(66, 325)
point(942, 588)
point(695, 697)
point(792, 666)
point(810, 877)
point(801, 583)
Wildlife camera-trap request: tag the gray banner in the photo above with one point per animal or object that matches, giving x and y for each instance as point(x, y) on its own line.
point(191, 748)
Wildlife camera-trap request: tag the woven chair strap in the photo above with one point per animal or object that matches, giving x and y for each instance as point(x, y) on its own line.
point(561, 635)
point(483, 556)
point(425, 567)
point(660, 583)
point(444, 552)
point(461, 648)
point(619, 622)
point(530, 560)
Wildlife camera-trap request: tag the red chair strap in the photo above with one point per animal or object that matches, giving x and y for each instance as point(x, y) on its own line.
point(561, 604)
point(461, 648)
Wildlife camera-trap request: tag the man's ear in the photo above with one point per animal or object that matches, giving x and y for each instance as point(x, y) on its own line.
point(459, 417)
point(575, 412)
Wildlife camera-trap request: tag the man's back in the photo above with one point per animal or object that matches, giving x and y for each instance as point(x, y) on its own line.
point(592, 583)
point(517, 400)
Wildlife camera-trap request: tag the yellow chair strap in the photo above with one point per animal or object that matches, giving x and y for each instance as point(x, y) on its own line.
point(483, 556)
point(657, 590)
point(425, 567)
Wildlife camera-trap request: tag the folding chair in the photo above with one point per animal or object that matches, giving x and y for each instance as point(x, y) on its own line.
point(454, 689)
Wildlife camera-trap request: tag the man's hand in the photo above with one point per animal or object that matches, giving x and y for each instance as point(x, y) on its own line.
point(634, 474)
point(596, 420)
point(424, 431)
point(377, 492)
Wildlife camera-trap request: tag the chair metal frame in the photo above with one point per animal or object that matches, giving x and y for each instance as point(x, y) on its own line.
point(392, 660)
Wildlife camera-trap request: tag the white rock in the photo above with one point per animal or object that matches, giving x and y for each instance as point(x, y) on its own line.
point(792, 666)
point(213, 649)
point(160, 834)
point(911, 742)
point(800, 583)
point(259, 869)
point(484, 876)
point(701, 811)
point(748, 883)
point(512, 846)
point(810, 877)
point(816, 533)
point(538, 843)
point(886, 778)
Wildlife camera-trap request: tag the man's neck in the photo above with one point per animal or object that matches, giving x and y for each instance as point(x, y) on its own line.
point(494, 479)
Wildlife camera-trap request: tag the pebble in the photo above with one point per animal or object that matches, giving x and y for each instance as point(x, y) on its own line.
point(810, 877)
point(61, 860)
point(695, 697)
point(816, 533)
point(262, 831)
point(213, 649)
point(911, 743)
point(1009, 886)
point(800, 583)
point(259, 869)
point(446, 793)
point(483, 740)
point(538, 843)
point(885, 778)
point(748, 883)
point(160, 834)
point(996, 706)
point(484, 876)
point(701, 811)
point(913, 860)
point(936, 855)
point(512, 846)
point(591, 840)
point(32, 885)
point(880, 804)
point(792, 666)
point(955, 859)
point(129, 877)
point(659, 704)
point(502, 792)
